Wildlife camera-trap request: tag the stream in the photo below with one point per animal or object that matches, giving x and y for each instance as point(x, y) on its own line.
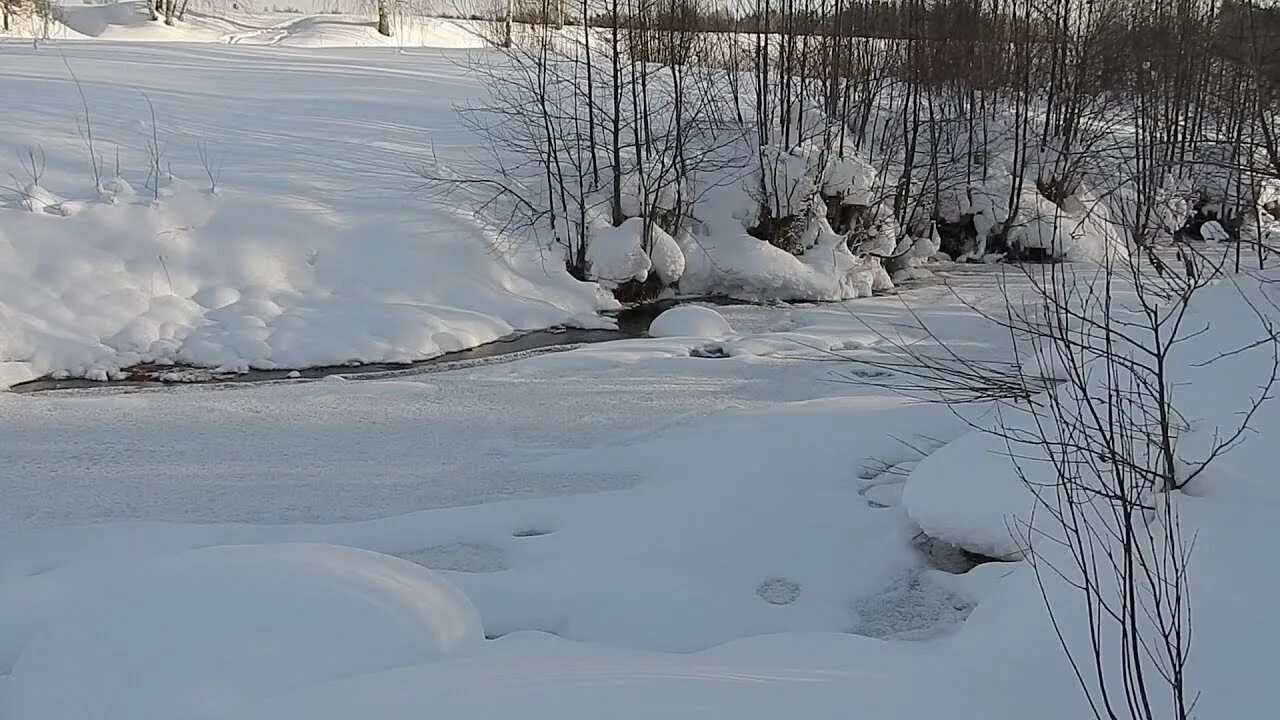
point(631, 323)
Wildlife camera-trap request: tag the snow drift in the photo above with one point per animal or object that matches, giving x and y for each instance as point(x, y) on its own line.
point(197, 634)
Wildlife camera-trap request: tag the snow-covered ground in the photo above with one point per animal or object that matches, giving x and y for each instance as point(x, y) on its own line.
point(736, 509)
point(315, 249)
point(214, 22)
point(718, 522)
point(752, 524)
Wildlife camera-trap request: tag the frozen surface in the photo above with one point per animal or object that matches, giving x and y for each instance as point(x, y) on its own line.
point(335, 451)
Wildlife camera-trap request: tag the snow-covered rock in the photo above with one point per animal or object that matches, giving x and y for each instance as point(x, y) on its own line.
point(1080, 229)
point(852, 178)
point(195, 634)
point(690, 321)
point(1213, 232)
point(616, 255)
point(666, 256)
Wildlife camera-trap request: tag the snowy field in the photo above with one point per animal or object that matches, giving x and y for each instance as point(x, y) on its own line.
point(316, 249)
point(724, 520)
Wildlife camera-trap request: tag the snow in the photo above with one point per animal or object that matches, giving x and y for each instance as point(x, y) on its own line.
point(197, 634)
point(1213, 232)
point(737, 517)
point(666, 256)
point(691, 321)
point(34, 198)
point(729, 262)
point(616, 255)
point(1079, 229)
point(853, 178)
point(207, 22)
point(965, 495)
point(747, 566)
point(315, 251)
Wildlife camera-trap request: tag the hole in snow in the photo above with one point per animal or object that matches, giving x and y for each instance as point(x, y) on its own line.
point(459, 557)
point(709, 351)
point(913, 608)
point(944, 556)
point(778, 591)
point(531, 532)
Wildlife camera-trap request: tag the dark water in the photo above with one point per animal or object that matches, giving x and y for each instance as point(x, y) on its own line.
point(632, 323)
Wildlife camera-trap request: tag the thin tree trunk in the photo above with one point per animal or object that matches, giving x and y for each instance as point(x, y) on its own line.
point(506, 23)
point(384, 18)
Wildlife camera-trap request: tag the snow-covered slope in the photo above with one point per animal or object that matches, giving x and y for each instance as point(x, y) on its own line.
point(315, 248)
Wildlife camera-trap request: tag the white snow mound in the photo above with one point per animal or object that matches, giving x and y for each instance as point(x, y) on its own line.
point(616, 255)
point(199, 633)
point(690, 321)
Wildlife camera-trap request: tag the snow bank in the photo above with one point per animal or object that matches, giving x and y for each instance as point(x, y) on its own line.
point(968, 494)
point(361, 31)
point(120, 21)
point(312, 251)
point(616, 255)
point(197, 634)
point(690, 321)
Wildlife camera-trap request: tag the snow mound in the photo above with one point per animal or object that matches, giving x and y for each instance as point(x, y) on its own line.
point(109, 20)
point(966, 494)
point(1213, 232)
point(737, 265)
point(616, 255)
point(37, 199)
point(667, 257)
point(691, 321)
point(198, 633)
point(131, 21)
point(1080, 229)
point(359, 31)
